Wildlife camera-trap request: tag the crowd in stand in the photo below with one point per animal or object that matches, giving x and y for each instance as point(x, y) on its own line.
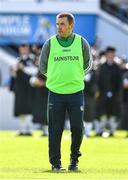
point(106, 93)
point(117, 8)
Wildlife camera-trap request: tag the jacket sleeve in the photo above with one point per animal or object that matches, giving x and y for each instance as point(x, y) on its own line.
point(43, 59)
point(86, 56)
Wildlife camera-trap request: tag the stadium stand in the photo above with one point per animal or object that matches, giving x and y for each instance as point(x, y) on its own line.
point(117, 8)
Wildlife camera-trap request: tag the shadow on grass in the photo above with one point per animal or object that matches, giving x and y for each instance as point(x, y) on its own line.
point(33, 170)
point(50, 171)
point(42, 170)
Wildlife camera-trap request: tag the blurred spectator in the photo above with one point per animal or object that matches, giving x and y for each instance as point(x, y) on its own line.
point(40, 102)
point(23, 91)
point(89, 93)
point(109, 86)
point(35, 49)
point(125, 99)
point(37, 81)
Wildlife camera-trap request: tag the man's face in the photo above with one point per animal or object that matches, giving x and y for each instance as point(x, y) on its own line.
point(24, 50)
point(110, 56)
point(63, 27)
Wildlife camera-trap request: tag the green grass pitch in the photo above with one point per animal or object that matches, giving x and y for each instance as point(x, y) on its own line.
point(27, 158)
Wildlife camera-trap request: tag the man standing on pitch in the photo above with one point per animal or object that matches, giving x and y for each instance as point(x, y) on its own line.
point(64, 59)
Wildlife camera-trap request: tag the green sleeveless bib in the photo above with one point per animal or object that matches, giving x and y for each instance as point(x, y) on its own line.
point(65, 73)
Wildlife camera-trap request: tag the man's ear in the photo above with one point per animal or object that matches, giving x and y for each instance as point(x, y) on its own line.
point(72, 25)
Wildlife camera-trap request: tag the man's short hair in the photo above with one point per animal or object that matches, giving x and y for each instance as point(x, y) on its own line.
point(110, 49)
point(69, 16)
point(24, 45)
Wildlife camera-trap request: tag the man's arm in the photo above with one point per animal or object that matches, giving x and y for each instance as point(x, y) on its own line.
point(86, 56)
point(43, 59)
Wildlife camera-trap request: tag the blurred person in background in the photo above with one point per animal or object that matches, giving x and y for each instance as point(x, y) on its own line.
point(109, 88)
point(40, 102)
point(38, 81)
point(35, 49)
point(89, 93)
point(64, 59)
point(125, 98)
point(97, 62)
point(23, 91)
point(91, 89)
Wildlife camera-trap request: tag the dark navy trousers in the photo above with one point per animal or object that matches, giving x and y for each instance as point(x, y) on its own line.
point(58, 104)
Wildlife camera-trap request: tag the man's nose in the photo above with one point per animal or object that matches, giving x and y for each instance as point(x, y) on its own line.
point(59, 28)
